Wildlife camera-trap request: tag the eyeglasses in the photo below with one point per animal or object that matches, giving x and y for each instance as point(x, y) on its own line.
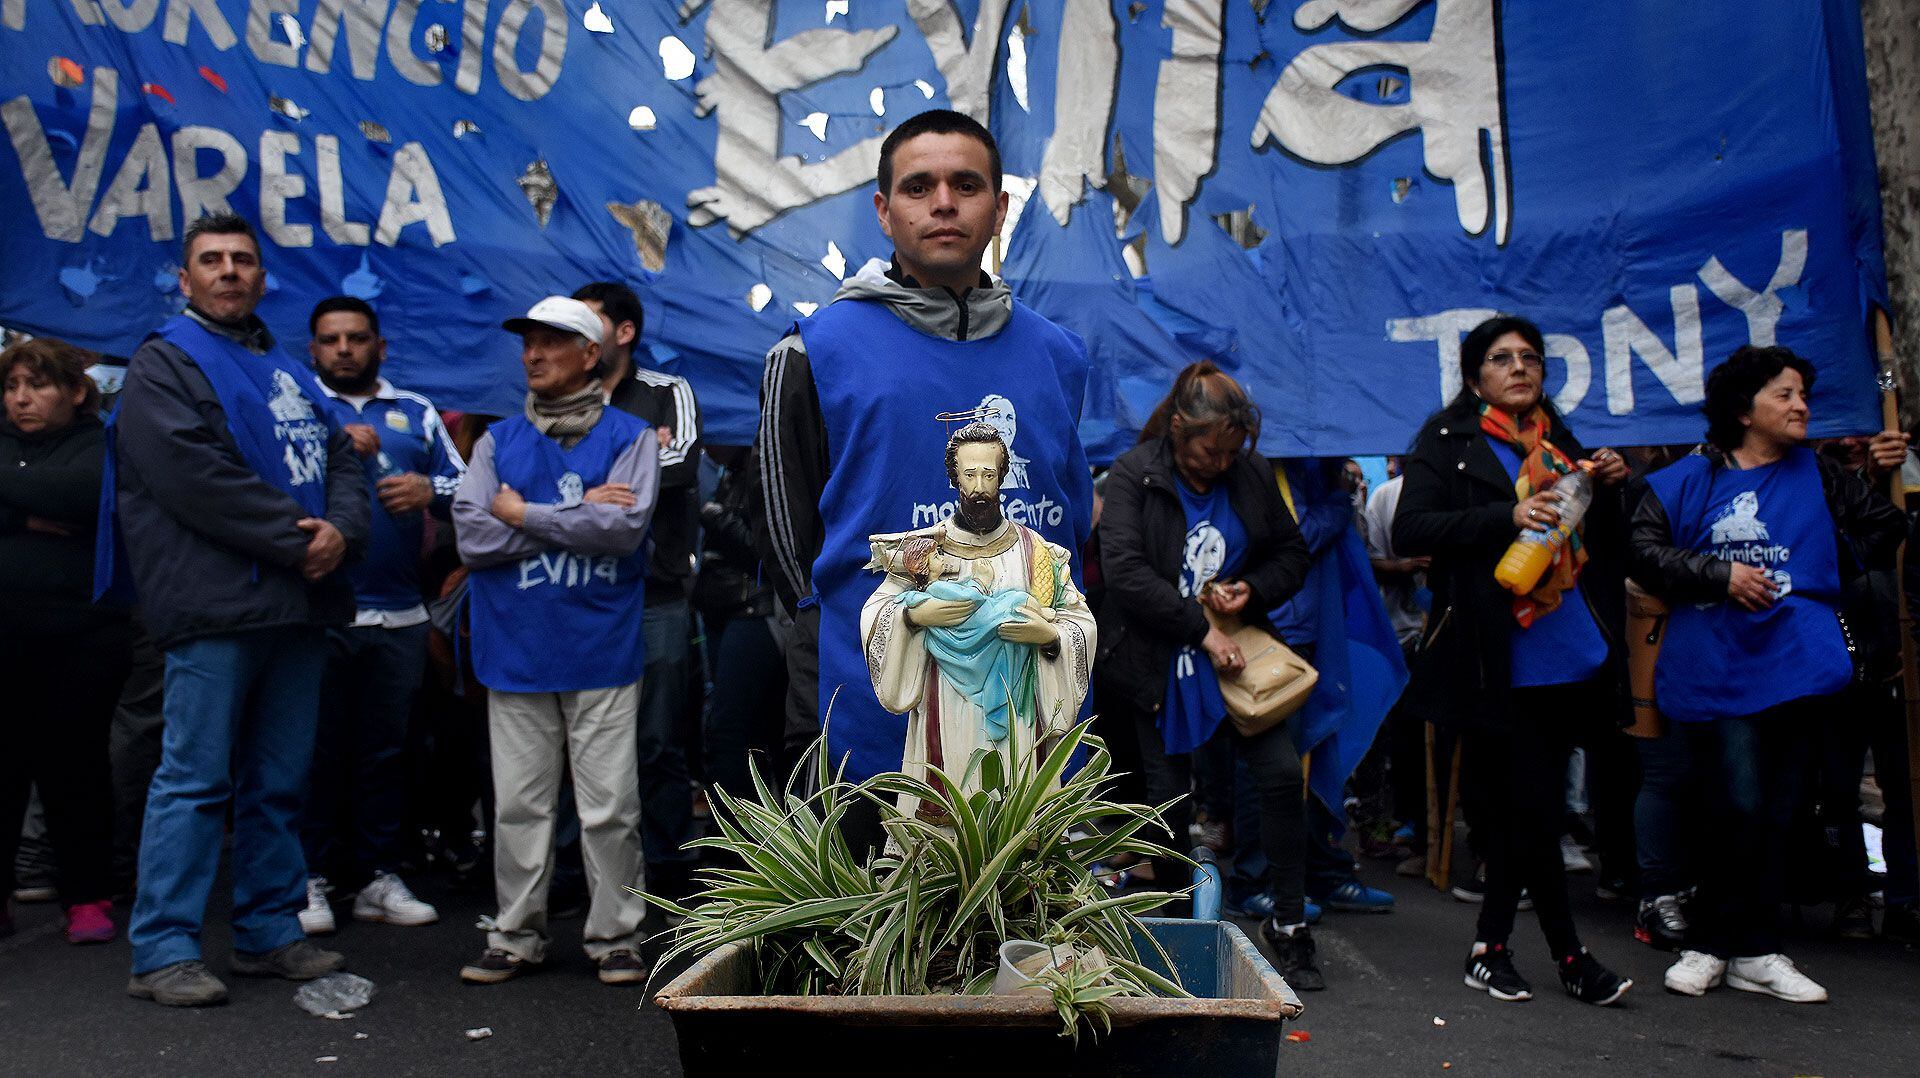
point(1507, 360)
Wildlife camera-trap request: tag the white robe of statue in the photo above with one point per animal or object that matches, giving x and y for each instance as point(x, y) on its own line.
point(950, 731)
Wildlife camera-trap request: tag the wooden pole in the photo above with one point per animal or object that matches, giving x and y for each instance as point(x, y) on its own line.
point(1909, 673)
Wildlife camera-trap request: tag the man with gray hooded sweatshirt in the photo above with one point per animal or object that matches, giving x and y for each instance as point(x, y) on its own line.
point(855, 406)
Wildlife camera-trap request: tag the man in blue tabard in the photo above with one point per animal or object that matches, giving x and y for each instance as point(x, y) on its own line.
point(551, 519)
point(239, 500)
point(849, 443)
point(356, 807)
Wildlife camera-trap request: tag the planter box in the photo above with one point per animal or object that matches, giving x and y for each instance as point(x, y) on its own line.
point(1233, 1028)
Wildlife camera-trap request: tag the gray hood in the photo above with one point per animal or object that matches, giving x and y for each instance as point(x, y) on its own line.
point(933, 311)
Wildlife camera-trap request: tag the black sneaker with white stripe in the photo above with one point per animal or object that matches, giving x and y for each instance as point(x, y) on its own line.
point(1490, 969)
point(1586, 980)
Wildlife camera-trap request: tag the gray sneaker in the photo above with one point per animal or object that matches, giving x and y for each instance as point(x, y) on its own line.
point(183, 984)
point(297, 961)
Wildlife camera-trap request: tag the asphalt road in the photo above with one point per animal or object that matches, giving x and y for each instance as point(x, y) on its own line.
point(63, 1011)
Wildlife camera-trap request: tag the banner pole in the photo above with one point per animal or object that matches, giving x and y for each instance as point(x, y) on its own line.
point(1909, 673)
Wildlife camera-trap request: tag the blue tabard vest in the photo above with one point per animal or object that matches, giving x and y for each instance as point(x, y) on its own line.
point(276, 413)
point(558, 621)
point(1721, 659)
point(880, 383)
point(1216, 545)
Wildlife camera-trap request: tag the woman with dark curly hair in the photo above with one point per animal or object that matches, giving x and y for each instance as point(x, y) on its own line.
point(1750, 543)
point(1520, 676)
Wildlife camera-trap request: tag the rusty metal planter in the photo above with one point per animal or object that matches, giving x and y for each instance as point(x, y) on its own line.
point(1233, 1028)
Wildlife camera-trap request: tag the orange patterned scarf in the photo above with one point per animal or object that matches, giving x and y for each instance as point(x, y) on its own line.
point(1541, 462)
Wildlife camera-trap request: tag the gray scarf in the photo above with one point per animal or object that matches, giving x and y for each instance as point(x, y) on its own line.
point(567, 419)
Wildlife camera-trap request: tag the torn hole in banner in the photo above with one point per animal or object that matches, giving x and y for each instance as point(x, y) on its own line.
point(836, 7)
point(463, 128)
point(290, 26)
point(805, 309)
point(437, 39)
point(816, 122)
point(1127, 189)
point(1017, 60)
point(375, 132)
point(878, 101)
point(925, 88)
point(835, 262)
point(676, 60)
point(1402, 187)
point(642, 118)
point(596, 21)
point(758, 297)
point(287, 108)
point(650, 224)
point(542, 192)
point(1239, 225)
point(363, 283)
point(65, 73)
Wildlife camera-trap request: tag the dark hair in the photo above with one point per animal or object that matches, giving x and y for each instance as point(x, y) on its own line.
point(1205, 398)
point(937, 122)
point(63, 364)
point(979, 432)
point(1732, 386)
point(336, 304)
point(1473, 350)
point(217, 224)
point(618, 301)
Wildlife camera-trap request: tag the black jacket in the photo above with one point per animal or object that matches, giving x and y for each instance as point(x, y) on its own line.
point(1867, 523)
point(1456, 506)
point(1143, 618)
point(214, 546)
point(667, 402)
point(46, 580)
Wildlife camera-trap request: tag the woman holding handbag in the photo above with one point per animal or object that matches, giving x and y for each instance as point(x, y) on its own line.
point(1194, 527)
point(1752, 543)
point(1520, 676)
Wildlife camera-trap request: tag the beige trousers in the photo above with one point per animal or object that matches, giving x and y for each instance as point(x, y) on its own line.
point(533, 735)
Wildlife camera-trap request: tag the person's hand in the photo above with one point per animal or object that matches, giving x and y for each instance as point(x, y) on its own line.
point(1416, 565)
point(1224, 653)
point(509, 506)
point(619, 494)
point(1609, 467)
point(1750, 587)
point(1226, 599)
point(325, 547)
point(1035, 629)
point(50, 527)
point(366, 440)
point(665, 434)
point(1887, 451)
point(941, 613)
point(403, 494)
point(1539, 511)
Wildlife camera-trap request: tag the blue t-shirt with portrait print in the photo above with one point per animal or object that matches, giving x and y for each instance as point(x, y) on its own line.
point(1562, 646)
point(1215, 547)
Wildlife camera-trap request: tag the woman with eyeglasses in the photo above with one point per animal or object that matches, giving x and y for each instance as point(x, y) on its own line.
point(1519, 676)
point(1751, 542)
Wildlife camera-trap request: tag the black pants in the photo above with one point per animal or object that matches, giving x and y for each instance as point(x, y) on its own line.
point(358, 788)
point(1277, 778)
point(134, 745)
point(1517, 784)
point(749, 690)
point(1757, 768)
point(54, 719)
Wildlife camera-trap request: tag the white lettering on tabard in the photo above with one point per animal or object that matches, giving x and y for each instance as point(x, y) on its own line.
point(560, 569)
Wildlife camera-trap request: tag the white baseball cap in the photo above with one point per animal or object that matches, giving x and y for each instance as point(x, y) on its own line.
point(563, 314)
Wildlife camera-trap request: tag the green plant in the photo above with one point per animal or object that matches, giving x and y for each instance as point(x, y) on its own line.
point(928, 915)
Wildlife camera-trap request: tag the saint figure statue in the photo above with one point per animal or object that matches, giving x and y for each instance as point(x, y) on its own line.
point(977, 633)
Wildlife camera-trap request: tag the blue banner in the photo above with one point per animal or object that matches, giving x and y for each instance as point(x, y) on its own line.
point(1323, 195)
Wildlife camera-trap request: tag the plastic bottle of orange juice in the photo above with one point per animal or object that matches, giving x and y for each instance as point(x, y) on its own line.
point(1527, 560)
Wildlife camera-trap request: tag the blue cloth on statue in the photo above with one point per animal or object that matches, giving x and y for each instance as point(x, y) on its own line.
point(971, 654)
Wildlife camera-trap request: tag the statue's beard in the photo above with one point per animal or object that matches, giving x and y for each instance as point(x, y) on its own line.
point(980, 514)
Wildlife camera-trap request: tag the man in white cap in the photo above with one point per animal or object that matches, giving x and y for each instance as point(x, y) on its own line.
point(551, 520)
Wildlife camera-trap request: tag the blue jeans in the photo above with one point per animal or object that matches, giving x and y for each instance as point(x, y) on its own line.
point(666, 789)
point(241, 710)
point(1668, 813)
point(1758, 768)
point(359, 787)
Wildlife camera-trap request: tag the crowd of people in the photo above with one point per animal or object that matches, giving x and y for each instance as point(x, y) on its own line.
point(291, 601)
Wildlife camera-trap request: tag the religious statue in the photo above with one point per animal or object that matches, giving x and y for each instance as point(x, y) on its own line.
point(977, 633)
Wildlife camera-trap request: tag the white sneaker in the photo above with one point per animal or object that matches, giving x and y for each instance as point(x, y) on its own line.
point(387, 899)
point(317, 918)
point(1572, 857)
point(1695, 972)
point(1774, 975)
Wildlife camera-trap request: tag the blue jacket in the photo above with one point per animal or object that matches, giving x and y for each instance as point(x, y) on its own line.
point(414, 439)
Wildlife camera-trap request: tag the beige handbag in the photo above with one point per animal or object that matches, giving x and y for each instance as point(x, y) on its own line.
point(1273, 684)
